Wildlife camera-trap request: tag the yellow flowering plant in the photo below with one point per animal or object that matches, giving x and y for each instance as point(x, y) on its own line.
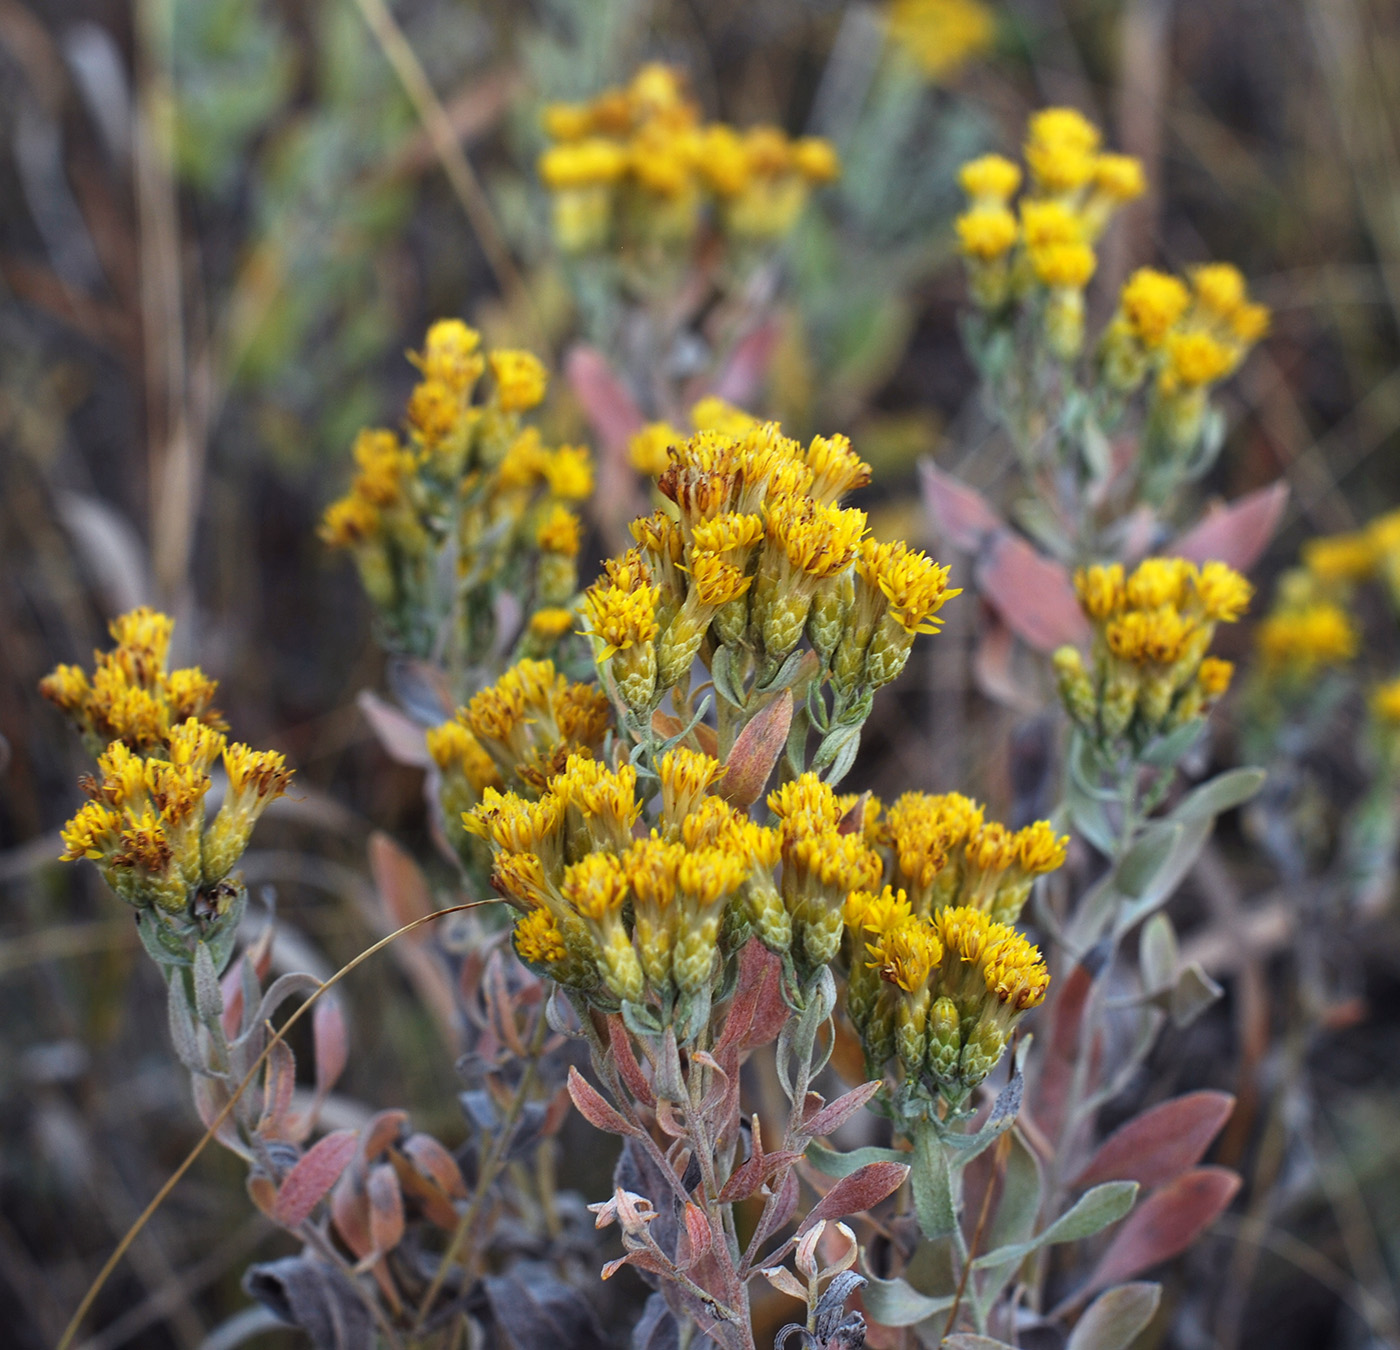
point(1029, 240)
point(465, 505)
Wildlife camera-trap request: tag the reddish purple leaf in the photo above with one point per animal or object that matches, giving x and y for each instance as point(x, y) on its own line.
point(331, 1042)
point(594, 1109)
point(381, 1130)
point(1032, 594)
point(1238, 533)
point(862, 1190)
point(757, 1012)
point(835, 1114)
point(783, 1208)
point(1165, 1224)
point(666, 726)
point(1057, 1069)
point(747, 367)
point(308, 1183)
point(994, 668)
point(350, 1213)
point(279, 1082)
point(1161, 1143)
point(611, 410)
point(626, 1062)
point(400, 735)
point(756, 750)
point(403, 889)
point(699, 1238)
point(961, 515)
point(386, 1221)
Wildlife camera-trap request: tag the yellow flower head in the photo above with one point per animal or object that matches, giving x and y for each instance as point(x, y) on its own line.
point(590, 163)
point(686, 776)
point(836, 468)
point(713, 413)
point(1157, 581)
point(1219, 288)
point(990, 179)
point(942, 35)
point(729, 533)
point(450, 355)
point(714, 581)
point(1301, 639)
point(622, 618)
point(559, 532)
point(551, 623)
point(816, 159)
point(1100, 589)
point(1197, 358)
point(512, 824)
point(647, 451)
point(1214, 677)
point(520, 378)
point(1385, 703)
point(818, 540)
point(1152, 302)
point(595, 886)
point(1224, 594)
point(569, 472)
point(914, 586)
point(986, 232)
point(1044, 223)
point(807, 802)
point(260, 774)
point(1039, 849)
point(1063, 266)
point(1119, 178)
point(1061, 150)
point(876, 911)
point(906, 954)
point(538, 940)
point(1345, 558)
point(1159, 636)
point(434, 412)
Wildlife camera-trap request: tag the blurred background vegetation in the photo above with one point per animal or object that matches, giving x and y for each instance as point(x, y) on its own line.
point(222, 222)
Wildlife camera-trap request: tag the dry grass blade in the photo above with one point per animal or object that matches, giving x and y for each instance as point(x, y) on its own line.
point(398, 51)
point(274, 1039)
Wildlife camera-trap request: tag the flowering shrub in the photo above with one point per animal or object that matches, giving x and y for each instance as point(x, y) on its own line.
point(646, 774)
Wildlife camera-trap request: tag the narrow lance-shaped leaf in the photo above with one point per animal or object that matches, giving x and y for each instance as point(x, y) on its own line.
point(1116, 1318)
point(310, 1181)
point(1090, 1214)
point(1162, 1143)
point(862, 1190)
point(1166, 1223)
point(594, 1109)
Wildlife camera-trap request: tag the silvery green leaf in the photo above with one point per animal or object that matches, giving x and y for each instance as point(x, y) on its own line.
point(1146, 858)
point(967, 1340)
point(1021, 1196)
point(931, 1177)
point(1157, 954)
point(1195, 991)
point(893, 1303)
point(1090, 1214)
point(208, 997)
point(1166, 751)
point(720, 675)
point(182, 1029)
point(1220, 794)
point(1116, 1318)
point(832, 1162)
point(1184, 852)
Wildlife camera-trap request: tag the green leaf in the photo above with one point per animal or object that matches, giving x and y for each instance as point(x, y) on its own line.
point(1158, 954)
point(893, 1303)
point(1090, 1214)
point(935, 1206)
point(1089, 818)
point(1146, 858)
point(1166, 751)
point(1115, 1319)
point(208, 997)
point(1015, 1216)
point(1220, 794)
point(1195, 991)
point(833, 1163)
point(1185, 850)
point(967, 1340)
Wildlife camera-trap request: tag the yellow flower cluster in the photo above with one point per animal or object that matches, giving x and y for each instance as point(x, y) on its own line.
point(520, 731)
point(1299, 638)
point(1335, 563)
point(939, 994)
point(466, 476)
point(1152, 629)
point(1043, 249)
point(648, 919)
point(131, 697)
point(649, 450)
point(144, 822)
point(941, 36)
point(943, 851)
point(1186, 338)
point(752, 551)
point(638, 166)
